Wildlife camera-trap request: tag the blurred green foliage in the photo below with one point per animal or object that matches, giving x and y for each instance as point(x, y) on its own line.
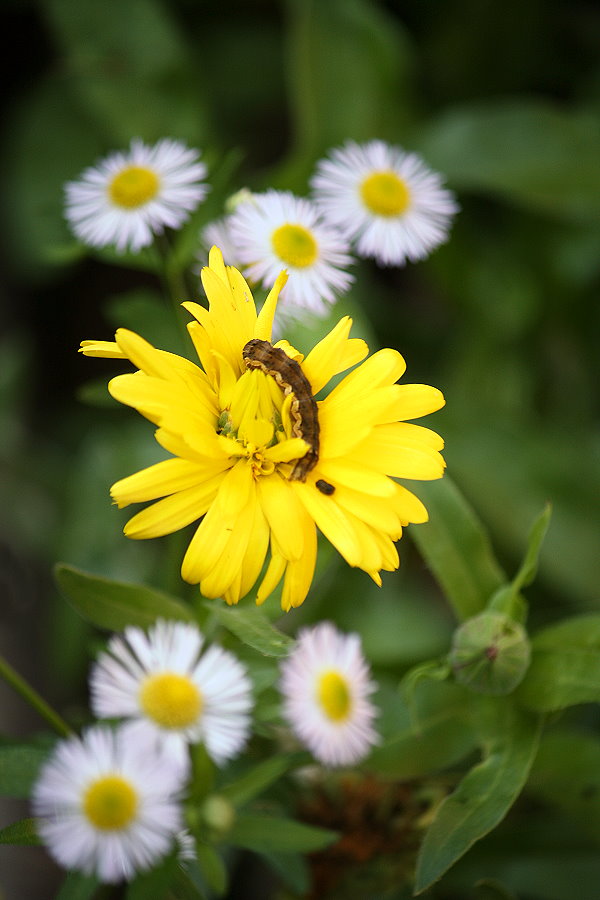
point(504, 99)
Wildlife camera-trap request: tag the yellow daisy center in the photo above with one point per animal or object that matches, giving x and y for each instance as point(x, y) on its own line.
point(385, 194)
point(294, 245)
point(133, 187)
point(171, 700)
point(110, 803)
point(334, 696)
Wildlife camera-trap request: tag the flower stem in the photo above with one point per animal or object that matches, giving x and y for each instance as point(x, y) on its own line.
point(31, 696)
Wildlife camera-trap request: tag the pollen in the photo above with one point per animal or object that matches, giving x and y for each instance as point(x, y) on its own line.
point(134, 186)
point(173, 701)
point(334, 696)
point(385, 194)
point(110, 803)
point(294, 245)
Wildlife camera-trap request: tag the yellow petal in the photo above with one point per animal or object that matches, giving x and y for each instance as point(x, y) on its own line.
point(378, 512)
point(203, 347)
point(227, 567)
point(227, 379)
point(341, 471)
point(163, 478)
point(255, 552)
point(258, 432)
point(416, 400)
point(174, 512)
point(331, 520)
point(214, 531)
point(264, 323)
point(102, 349)
point(382, 368)
point(333, 354)
point(216, 263)
point(408, 507)
point(347, 420)
point(273, 575)
point(282, 510)
point(286, 451)
point(299, 573)
point(402, 456)
point(244, 300)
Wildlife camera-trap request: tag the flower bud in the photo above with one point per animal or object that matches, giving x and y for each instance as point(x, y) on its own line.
point(218, 814)
point(490, 653)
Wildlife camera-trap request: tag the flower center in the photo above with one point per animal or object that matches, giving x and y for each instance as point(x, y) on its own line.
point(334, 696)
point(133, 187)
point(172, 700)
point(110, 803)
point(294, 245)
point(385, 194)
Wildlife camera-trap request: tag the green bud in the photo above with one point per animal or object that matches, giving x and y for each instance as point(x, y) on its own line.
point(490, 653)
point(218, 814)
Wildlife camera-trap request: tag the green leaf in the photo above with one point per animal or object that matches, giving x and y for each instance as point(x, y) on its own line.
point(23, 832)
point(573, 633)
point(130, 67)
point(78, 886)
point(253, 628)
point(267, 833)
point(529, 566)
point(566, 775)
point(490, 889)
point(260, 777)
point(371, 64)
point(457, 549)
point(155, 882)
point(432, 670)
point(293, 870)
point(485, 794)
point(565, 665)
point(433, 734)
point(19, 766)
point(523, 150)
point(113, 604)
point(212, 867)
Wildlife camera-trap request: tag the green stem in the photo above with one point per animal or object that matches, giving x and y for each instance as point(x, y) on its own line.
point(174, 286)
point(33, 698)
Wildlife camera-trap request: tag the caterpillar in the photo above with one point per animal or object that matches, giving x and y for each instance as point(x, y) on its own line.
point(291, 379)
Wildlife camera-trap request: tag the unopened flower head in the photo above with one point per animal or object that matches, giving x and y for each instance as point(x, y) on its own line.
point(259, 459)
point(172, 692)
point(326, 686)
point(386, 201)
point(275, 231)
point(128, 197)
point(107, 805)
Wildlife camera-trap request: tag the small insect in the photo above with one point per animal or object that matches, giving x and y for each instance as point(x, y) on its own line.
point(291, 379)
point(325, 487)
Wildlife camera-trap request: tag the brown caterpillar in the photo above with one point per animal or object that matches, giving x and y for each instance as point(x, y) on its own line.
point(291, 379)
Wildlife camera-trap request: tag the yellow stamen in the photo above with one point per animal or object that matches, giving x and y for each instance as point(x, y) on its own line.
point(172, 700)
point(334, 696)
point(294, 245)
point(385, 194)
point(133, 187)
point(110, 803)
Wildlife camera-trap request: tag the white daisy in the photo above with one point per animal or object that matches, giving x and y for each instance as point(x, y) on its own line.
point(216, 234)
point(172, 693)
point(277, 230)
point(386, 201)
point(107, 805)
point(325, 684)
point(127, 198)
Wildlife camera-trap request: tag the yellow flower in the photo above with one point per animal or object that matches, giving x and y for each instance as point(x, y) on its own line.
point(258, 460)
